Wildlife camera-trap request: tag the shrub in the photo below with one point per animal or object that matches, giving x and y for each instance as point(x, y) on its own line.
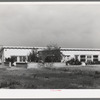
point(73, 62)
point(32, 57)
point(95, 62)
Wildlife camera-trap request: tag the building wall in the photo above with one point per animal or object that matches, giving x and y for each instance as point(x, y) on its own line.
point(16, 52)
point(86, 53)
point(8, 52)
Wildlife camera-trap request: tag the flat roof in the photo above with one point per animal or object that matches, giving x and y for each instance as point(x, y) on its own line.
point(62, 49)
point(80, 49)
point(17, 47)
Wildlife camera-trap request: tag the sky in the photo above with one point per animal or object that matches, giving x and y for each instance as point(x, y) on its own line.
point(67, 25)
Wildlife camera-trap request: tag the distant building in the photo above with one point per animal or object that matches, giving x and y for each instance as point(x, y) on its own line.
point(20, 53)
point(82, 54)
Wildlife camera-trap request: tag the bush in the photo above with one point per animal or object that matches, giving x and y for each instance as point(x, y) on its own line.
point(32, 57)
point(73, 62)
point(95, 62)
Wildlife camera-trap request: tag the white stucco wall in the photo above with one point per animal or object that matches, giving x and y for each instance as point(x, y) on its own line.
point(72, 53)
point(24, 52)
point(16, 52)
point(81, 52)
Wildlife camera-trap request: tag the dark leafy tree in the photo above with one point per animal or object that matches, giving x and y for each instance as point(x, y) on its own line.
point(51, 53)
point(33, 57)
point(11, 59)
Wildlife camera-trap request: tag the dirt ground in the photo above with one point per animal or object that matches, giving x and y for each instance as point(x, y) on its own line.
point(67, 77)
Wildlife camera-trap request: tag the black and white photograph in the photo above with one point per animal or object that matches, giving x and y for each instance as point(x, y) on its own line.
point(50, 46)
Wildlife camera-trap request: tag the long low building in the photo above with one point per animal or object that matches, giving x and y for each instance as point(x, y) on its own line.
point(82, 54)
point(21, 53)
point(18, 52)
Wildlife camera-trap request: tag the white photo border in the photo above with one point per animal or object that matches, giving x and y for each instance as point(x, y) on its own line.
point(49, 93)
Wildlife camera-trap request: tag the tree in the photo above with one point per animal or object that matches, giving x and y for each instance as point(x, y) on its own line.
point(52, 47)
point(51, 53)
point(10, 59)
point(33, 57)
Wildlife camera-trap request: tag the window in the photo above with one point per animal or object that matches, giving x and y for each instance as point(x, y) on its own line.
point(76, 57)
point(22, 58)
point(82, 58)
point(88, 56)
point(68, 55)
point(95, 57)
point(14, 58)
point(89, 59)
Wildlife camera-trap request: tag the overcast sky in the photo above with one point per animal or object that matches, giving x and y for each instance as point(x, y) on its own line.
point(68, 25)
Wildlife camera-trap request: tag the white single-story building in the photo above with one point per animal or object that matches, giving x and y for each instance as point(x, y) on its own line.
point(82, 54)
point(21, 53)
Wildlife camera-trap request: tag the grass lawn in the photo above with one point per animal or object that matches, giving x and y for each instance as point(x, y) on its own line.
point(86, 77)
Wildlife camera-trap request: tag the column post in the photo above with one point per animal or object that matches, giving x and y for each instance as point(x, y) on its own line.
point(79, 57)
point(3, 57)
point(18, 60)
point(85, 58)
point(26, 59)
point(92, 58)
